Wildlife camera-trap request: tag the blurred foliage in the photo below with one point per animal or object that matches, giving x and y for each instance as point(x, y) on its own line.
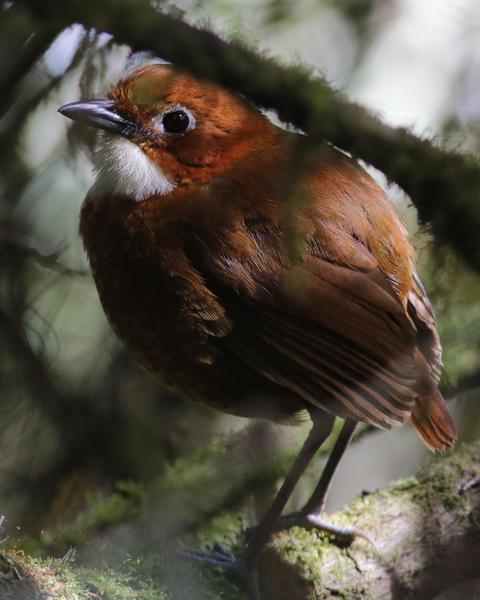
point(78, 417)
point(24, 578)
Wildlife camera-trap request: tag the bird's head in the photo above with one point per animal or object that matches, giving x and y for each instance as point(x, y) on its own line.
point(164, 129)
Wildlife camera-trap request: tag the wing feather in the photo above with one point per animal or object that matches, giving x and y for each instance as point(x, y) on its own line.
point(423, 316)
point(339, 321)
point(338, 337)
point(330, 323)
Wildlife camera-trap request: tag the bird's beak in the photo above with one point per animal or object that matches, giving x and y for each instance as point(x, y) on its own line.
point(100, 114)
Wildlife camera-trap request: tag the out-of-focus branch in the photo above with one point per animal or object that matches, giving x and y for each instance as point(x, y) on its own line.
point(23, 107)
point(37, 376)
point(468, 381)
point(444, 185)
point(26, 248)
point(22, 44)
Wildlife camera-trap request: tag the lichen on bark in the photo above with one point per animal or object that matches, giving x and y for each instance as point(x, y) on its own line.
point(426, 529)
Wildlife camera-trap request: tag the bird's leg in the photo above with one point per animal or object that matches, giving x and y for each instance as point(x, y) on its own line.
point(317, 500)
point(318, 434)
point(218, 556)
point(309, 516)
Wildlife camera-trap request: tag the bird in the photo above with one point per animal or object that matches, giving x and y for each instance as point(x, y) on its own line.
point(252, 274)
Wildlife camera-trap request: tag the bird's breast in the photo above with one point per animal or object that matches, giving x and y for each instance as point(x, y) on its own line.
point(137, 286)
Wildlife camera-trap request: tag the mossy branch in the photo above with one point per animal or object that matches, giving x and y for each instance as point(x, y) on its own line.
point(252, 459)
point(444, 185)
point(25, 578)
point(426, 528)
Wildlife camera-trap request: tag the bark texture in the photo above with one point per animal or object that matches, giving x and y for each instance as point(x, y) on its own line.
point(427, 533)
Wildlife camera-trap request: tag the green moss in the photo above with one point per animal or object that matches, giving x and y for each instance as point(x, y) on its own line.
point(225, 528)
point(5, 566)
point(124, 504)
point(66, 582)
point(119, 586)
point(395, 517)
point(303, 549)
point(188, 579)
point(441, 478)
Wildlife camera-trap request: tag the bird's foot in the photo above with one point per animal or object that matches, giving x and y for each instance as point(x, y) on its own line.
point(342, 537)
point(241, 569)
point(217, 556)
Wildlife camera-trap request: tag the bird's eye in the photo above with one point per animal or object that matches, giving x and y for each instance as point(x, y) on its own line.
point(177, 121)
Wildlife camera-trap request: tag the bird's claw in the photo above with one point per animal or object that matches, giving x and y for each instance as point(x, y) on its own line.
point(217, 556)
point(341, 536)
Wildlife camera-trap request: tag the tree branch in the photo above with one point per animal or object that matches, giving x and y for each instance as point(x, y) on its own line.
point(24, 44)
point(443, 185)
point(427, 529)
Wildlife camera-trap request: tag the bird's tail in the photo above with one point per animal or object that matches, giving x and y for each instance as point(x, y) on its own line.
point(430, 415)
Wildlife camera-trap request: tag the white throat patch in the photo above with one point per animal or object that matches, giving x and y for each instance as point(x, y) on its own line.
point(124, 169)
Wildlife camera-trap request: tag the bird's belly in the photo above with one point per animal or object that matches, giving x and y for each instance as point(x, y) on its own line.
point(147, 315)
point(150, 309)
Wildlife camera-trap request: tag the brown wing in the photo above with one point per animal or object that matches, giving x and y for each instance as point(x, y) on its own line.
point(336, 335)
point(430, 415)
point(331, 324)
point(423, 316)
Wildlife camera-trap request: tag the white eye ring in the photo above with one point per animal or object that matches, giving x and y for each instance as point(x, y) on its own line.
point(176, 108)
